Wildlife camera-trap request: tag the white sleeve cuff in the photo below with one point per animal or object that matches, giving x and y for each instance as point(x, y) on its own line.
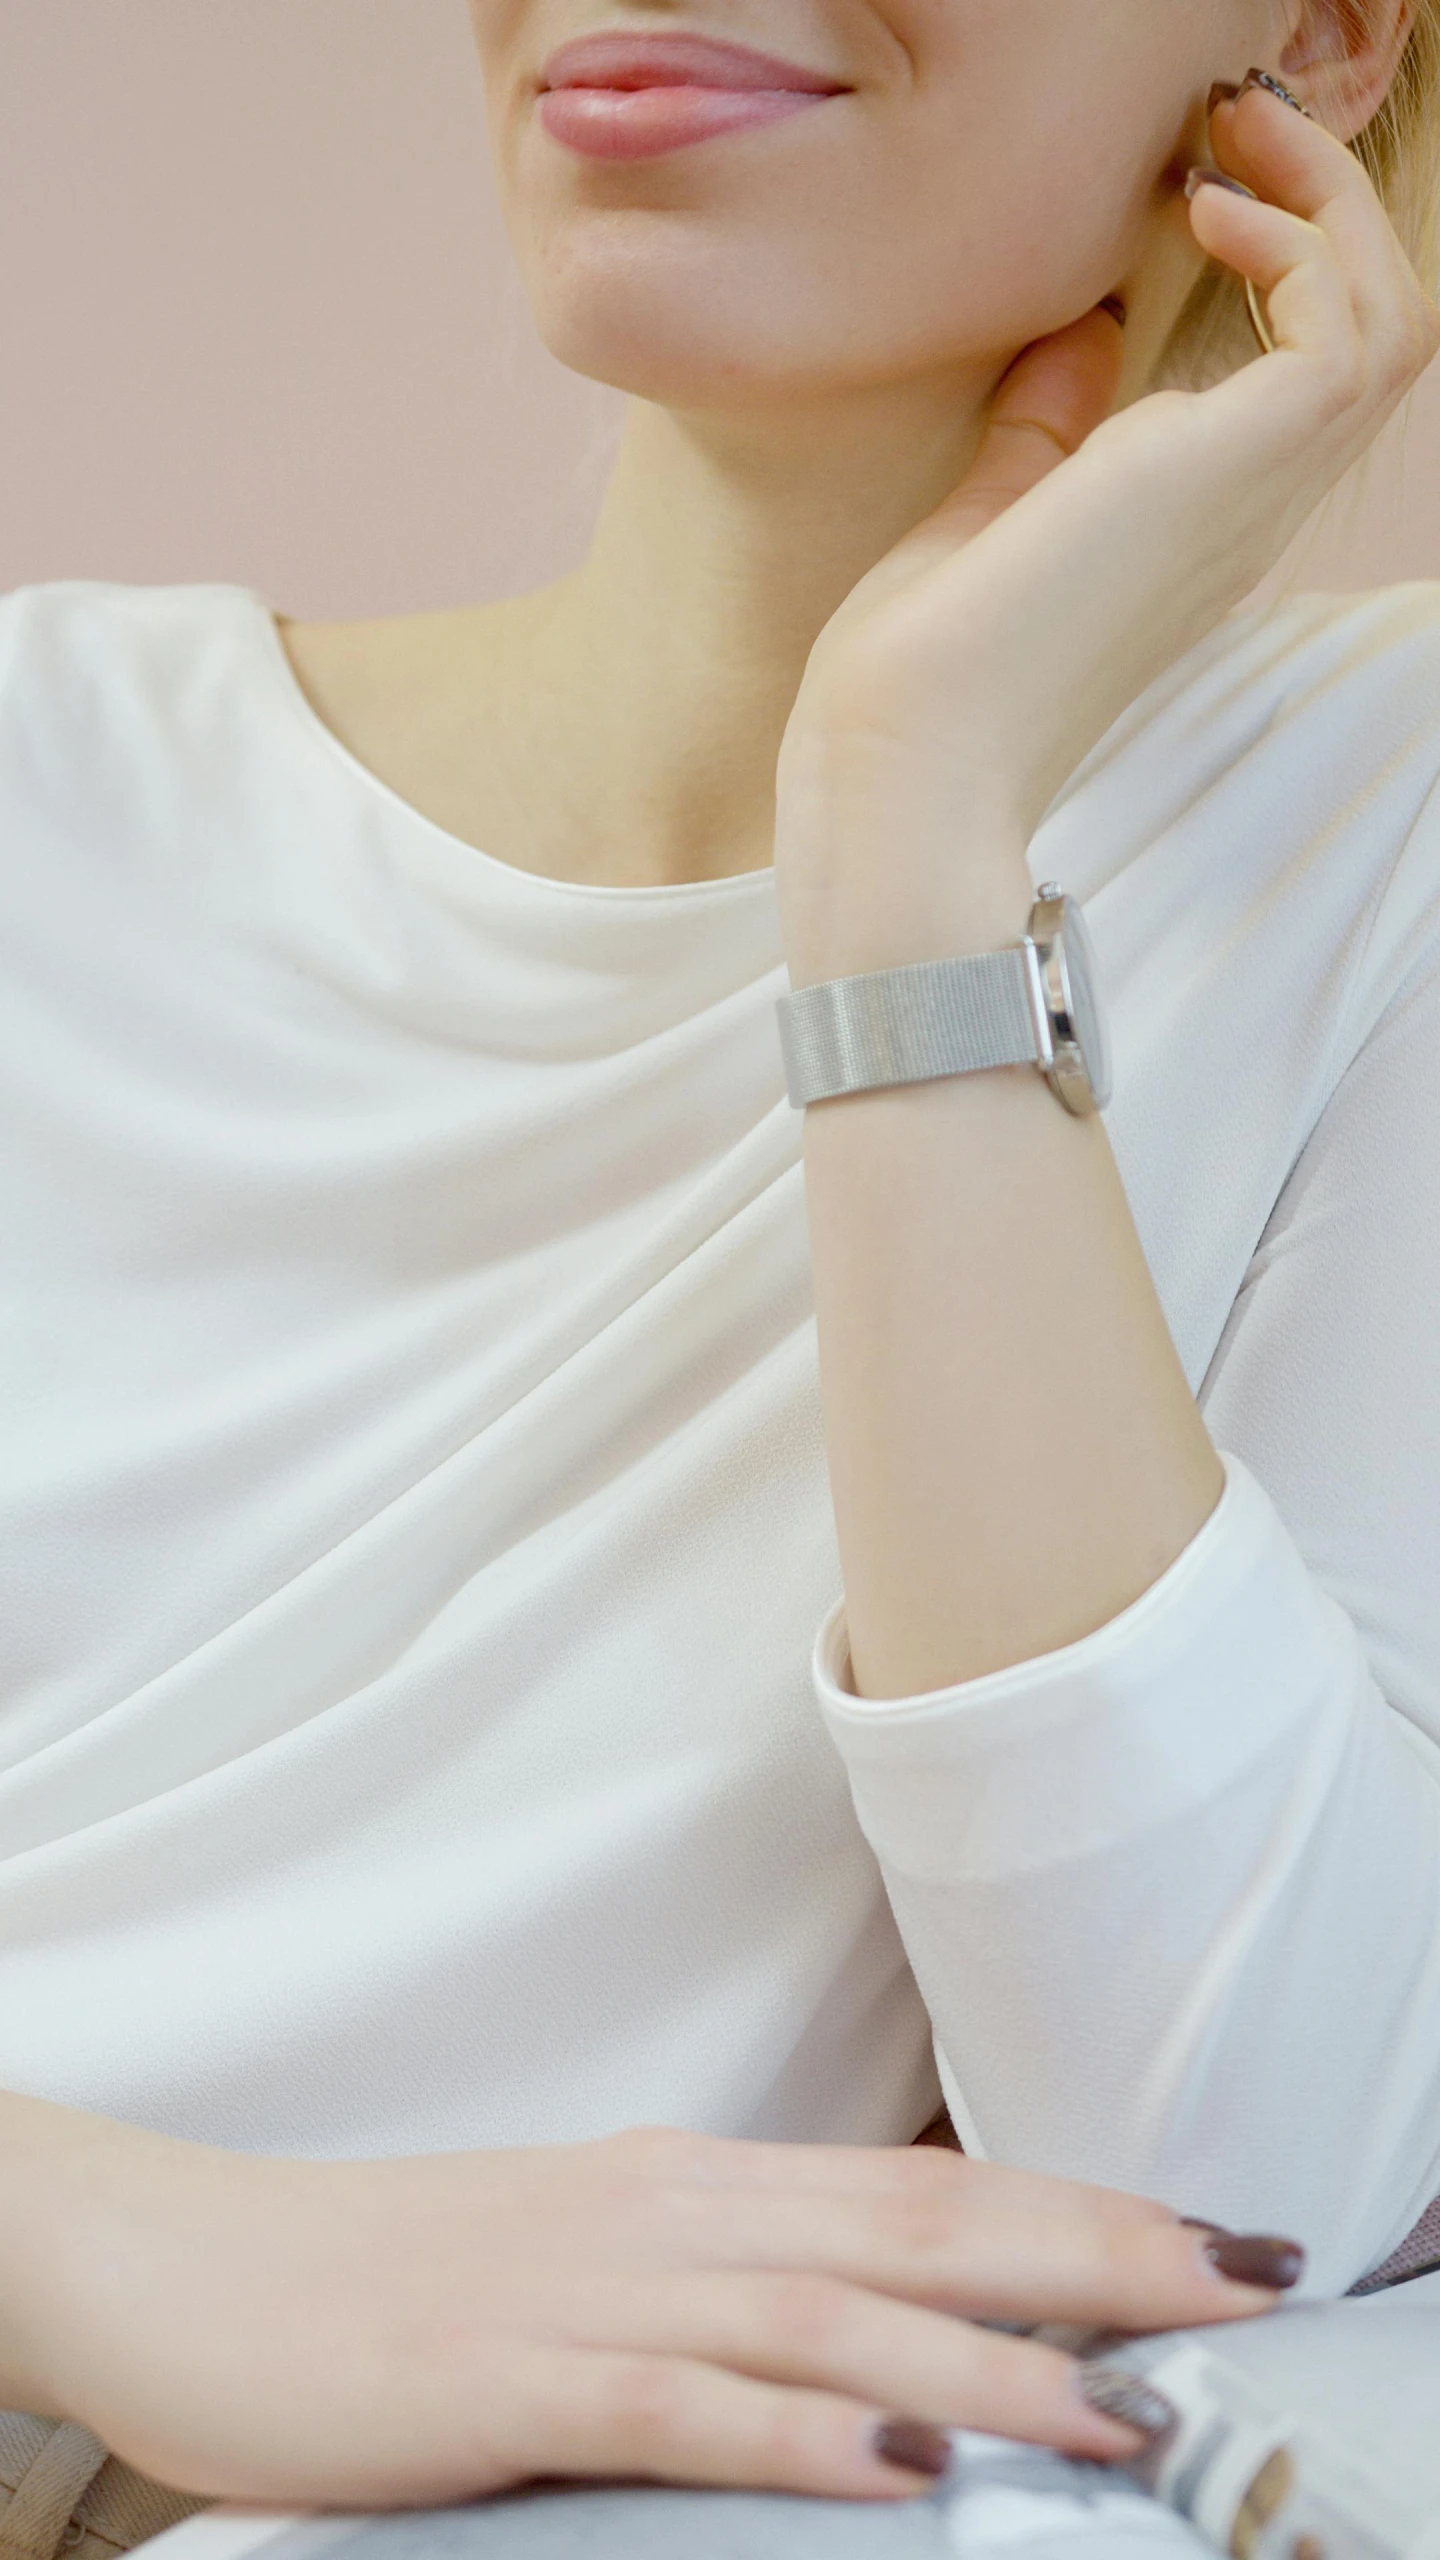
point(1153, 1713)
point(1169, 1895)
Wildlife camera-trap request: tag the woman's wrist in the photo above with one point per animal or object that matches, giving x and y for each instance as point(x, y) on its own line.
point(883, 857)
point(898, 893)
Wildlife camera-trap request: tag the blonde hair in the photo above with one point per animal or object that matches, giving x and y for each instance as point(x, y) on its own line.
point(1400, 148)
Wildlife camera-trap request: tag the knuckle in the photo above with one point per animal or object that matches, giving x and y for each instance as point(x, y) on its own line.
point(923, 2222)
point(792, 2436)
point(806, 2315)
point(965, 2184)
point(1113, 2266)
point(643, 2401)
point(926, 2169)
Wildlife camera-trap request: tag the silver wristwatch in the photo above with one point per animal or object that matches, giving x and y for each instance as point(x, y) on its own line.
point(1036, 1004)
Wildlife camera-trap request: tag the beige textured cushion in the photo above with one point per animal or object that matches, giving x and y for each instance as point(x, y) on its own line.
point(62, 2493)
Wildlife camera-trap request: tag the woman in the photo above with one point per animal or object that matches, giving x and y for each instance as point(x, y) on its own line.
point(419, 1508)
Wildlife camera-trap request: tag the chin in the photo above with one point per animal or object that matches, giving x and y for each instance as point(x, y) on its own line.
point(688, 324)
point(641, 344)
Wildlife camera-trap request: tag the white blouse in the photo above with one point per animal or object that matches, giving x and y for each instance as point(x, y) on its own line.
point(413, 1512)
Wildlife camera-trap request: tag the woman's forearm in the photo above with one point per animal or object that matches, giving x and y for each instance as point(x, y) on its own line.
point(1015, 1453)
point(1014, 1450)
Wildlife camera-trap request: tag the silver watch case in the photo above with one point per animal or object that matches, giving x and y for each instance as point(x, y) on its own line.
point(1072, 1047)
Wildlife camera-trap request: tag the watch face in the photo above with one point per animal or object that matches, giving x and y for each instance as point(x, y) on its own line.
point(1087, 1019)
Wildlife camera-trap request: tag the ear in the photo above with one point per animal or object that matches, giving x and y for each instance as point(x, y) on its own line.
point(1342, 58)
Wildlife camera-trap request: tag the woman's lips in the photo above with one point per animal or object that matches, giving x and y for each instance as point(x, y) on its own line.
point(636, 124)
point(622, 97)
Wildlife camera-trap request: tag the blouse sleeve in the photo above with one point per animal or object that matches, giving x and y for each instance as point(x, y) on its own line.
point(1172, 1895)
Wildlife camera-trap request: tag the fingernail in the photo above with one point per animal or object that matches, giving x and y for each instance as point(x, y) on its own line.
point(1199, 178)
point(1116, 308)
point(1277, 89)
point(1254, 2257)
point(909, 2444)
point(1117, 2394)
point(1222, 90)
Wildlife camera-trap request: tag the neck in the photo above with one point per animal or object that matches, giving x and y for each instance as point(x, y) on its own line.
point(670, 662)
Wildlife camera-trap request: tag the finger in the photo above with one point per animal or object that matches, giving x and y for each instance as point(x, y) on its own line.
point(813, 2332)
point(656, 2417)
point(1055, 395)
point(1290, 259)
point(712, 2161)
point(1301, 167)
point(968, 2252)
point(1287, 156)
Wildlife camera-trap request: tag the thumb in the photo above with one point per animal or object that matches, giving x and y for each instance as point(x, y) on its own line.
point(1055, 395)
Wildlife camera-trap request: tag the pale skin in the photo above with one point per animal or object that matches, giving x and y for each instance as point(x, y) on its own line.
point(877, 568)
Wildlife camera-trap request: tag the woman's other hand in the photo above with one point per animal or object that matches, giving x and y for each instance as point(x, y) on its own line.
point(659, 2304)
point(971, 671)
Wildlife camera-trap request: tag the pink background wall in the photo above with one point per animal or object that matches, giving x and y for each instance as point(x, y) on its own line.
point(258, 320)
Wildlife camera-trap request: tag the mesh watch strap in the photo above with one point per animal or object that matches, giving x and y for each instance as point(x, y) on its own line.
point(903, 1026)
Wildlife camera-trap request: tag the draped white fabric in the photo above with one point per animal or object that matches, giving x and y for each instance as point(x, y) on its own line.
point(413, 1518)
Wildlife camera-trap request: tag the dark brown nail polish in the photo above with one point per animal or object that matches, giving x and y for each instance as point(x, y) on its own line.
point(1222, 90)
point(1254, 2257)
point(1277, 89)
point(1116, 308)
point(1199, 178)
point(1117, 2394)
point(909, 2444)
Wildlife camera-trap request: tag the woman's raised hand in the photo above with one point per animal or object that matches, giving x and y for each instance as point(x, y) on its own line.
point(968, 675)
point(659, 2305)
